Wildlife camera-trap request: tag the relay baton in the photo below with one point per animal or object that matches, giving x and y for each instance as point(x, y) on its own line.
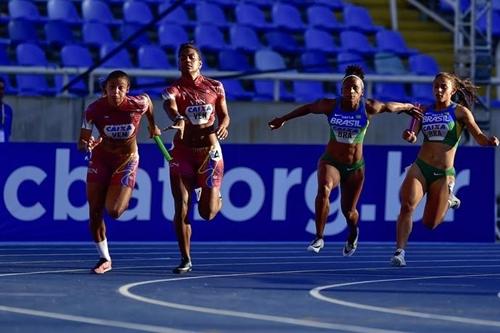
point(162, 148)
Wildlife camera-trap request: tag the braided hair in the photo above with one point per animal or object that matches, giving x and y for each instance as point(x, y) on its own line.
point(466, 91)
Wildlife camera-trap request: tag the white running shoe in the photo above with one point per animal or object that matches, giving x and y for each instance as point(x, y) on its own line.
point(349, 249)
point(398, 259)
point(316, 245)
point(453, 201)
point(102, 266)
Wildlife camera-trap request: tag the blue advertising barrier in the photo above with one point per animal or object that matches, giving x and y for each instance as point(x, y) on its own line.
point(268, 194)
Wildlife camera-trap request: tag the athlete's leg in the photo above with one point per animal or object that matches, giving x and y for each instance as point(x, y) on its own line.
point(411, 193)
point(350, 189)
point(437, 202)
point(210, 202)
point(328, 179)
point(181, 190)
point(117, 199)
point(209, 178)
point(96, 196)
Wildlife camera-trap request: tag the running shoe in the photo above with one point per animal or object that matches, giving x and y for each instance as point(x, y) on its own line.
point(453, 201)
point(184, 267)
point(316, 245)
point(398, 259)
point(102, 266)
point(350, 248)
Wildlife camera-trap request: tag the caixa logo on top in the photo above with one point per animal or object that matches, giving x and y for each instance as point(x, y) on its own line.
point(268, 194)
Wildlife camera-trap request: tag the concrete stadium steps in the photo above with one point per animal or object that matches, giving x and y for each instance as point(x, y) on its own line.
point(420, 33)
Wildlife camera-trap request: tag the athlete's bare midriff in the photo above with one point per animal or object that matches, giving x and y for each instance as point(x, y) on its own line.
point(437, 154)
point(119, 146)
point(198, 136)
point(345, 153)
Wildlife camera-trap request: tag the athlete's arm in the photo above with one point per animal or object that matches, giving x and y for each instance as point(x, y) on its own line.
point(153, 129)
point(374, 107)
point(466, 117)
point(170, 107)
point(324, 106)
point(223, 119)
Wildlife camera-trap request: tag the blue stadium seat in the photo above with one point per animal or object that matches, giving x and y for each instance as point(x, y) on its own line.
point(171, 35)
point(128, 29)
point(177, 16)
point(58, 33)
point(233, 60)
point(96, 34)
point(307, 91)
point(315, 62)
point(98, 11)
point(423, 64)
point(392, 41)
point(120, 60)
point(288, 17)
point(345, 59)
point(387, 63)
point(21, 30)
point(235, 90)
point(29, 54)
point(244, 38)
point(283, 42)
point(268, 60)
point(24, 9)
point(354, 41)
point(422, 93)
point(445, 6)
point(391, 92)
point(137, 12)
point(151, 57)
point(320, 40)
point(251, 15)
point(336, 5)
point(63, 10)
point(209, 38)
point(323, 17)
point(358, 18)
point(75, 55)
point(210, 13)
point(495, 23)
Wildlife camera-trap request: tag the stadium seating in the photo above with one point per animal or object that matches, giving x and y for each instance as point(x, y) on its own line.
point(268, 60)
point(244, 38)
point(307, 91)
point(359, 19)
point(251, 15)
point(209, 38)
point(137, 12)
point(315, 62)
point(171, 35)
point(322, 17)
point(210, 13)
point(98, 11)
point(283, 42)
point(354, 41)
point(74, 55)
point(423, 64)
point(233, 60)
point(120, 60)
point(151, 57)
point(320, 40)
point(21, 30)
point(24, 9)
point(392, 41)
point(63, 10)
point(387, 63)
point(235, 91)
point(58, 33)
point(288, 17)
point(177, 16)
point(96, 34)
point(29, 54)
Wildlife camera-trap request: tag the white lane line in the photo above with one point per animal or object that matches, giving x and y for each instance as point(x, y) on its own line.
point(316, 292)
point(91, 320)
point(125, 291)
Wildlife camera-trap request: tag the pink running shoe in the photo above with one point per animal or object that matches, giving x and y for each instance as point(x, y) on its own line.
point(102, 266)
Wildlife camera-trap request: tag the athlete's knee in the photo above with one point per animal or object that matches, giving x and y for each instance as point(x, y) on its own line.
point(324, 191)
point(407, 208)
point(351, 215)
point(116, 211)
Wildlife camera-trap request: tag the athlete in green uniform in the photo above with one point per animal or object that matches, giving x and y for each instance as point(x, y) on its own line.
point(433, 172)
point(342, 162)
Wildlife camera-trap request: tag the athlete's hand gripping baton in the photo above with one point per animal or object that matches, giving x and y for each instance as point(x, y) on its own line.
point(162, 148)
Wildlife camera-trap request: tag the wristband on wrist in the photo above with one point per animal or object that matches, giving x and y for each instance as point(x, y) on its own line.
point(179, 117)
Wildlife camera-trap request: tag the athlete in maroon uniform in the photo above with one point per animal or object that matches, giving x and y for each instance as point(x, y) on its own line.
point(194, 103)
point(113, 156)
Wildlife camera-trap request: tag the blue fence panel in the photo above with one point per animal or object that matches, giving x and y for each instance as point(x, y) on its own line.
point(268, 194)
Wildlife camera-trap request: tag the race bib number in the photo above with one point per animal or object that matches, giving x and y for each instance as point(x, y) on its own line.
point(199, 114)
point(124, 131)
